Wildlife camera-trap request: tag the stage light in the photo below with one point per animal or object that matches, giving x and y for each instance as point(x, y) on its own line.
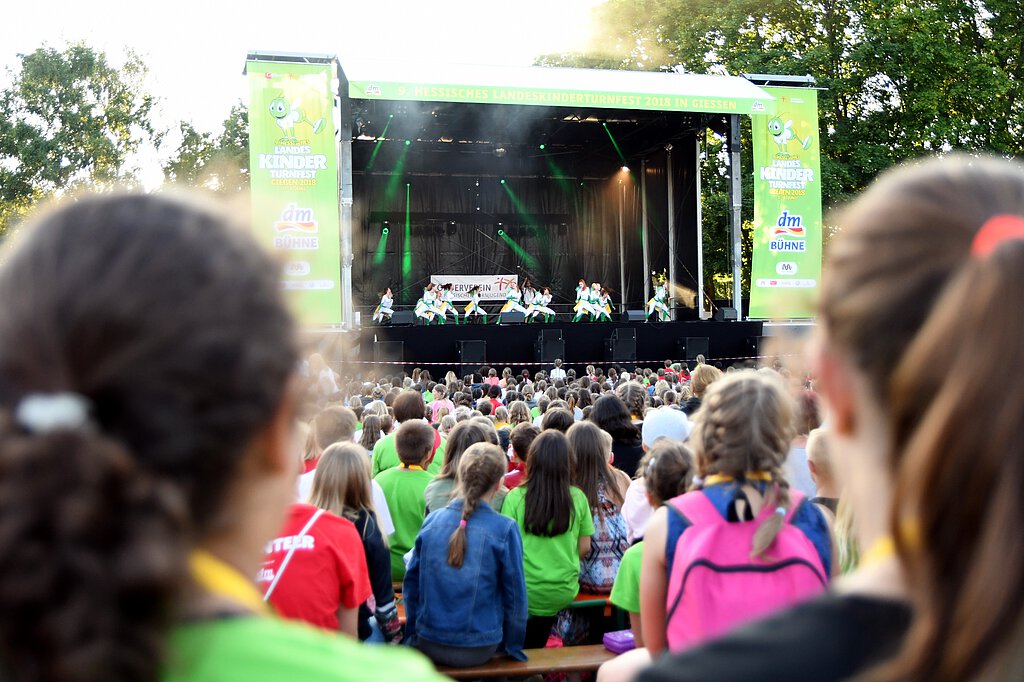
point(501, 233)
point(503, 181)
point(625, 169)
point(542, 147)
point(452, 229)
point(391, 115)
point(408, 142)
point(385, 231)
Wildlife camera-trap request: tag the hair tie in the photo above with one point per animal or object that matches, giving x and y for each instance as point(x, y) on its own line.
point(42, 413)
point(996, 230)
point(781, 511)
point(462, 523)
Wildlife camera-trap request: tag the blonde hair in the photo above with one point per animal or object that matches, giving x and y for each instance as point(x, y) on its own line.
point(818, 451)
point(341, 484)
point(702, 377)
point(745, 423)
point(481, 467)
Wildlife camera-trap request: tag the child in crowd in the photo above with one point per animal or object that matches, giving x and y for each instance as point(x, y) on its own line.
point(330, 425)
point(408, 406)
point(604, 487)
point(555, 523)
point(667, 472)
point(744, 514)
point(468, 545)
point(519, 444)
point(342, 487)
point(819, 462)
point(404, 487)
point(658, 424)
point(439, 491)
point(147, 453)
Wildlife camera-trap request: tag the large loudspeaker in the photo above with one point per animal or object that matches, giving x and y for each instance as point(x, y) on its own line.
point(634, 316)
point(473, 353)
point(389, 351)
point(690, 347)
point(755, 345)
point(549, 346)
point(403, 318)
point(621, 347)
point(512, 317)
point(726, 314)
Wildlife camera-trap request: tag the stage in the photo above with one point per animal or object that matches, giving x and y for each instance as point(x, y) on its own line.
point(437, 347)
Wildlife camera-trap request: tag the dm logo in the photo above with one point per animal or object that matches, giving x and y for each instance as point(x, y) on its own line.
point(296, 220)
point(787, 225)
point(373, 91)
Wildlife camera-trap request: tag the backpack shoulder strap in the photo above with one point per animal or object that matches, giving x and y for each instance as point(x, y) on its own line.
point(696, 508)
point(796, 498)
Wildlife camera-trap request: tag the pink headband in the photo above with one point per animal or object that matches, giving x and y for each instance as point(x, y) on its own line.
point(995, 231)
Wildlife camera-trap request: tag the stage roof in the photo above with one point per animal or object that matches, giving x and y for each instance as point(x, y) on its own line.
point(555, 87)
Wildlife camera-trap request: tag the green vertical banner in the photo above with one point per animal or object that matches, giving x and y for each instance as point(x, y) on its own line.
point(293, 161)
point(786, 266)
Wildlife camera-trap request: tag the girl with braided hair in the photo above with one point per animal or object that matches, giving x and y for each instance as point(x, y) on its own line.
point(741, 438)
point(451, 621)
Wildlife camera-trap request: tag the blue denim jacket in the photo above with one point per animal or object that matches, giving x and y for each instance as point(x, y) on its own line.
point(479, 604)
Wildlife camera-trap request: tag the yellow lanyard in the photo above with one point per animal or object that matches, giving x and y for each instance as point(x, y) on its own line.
point(714, 479)
point(414, 467)
point(223, 580)
point(880, 550)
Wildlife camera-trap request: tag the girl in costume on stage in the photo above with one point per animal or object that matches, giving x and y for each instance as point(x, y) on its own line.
point(473, 307)
point(541, 306)
point(530, 296)
point(513, 300)
point(658, 304)
point(427, 308)
point(582, 299)
point(604, 305)
point(447, 298)
point(384, 310)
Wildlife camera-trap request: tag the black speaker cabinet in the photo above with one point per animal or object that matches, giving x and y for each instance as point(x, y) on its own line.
point(634, 316)
point(403, 318)
point(726, 314)
point(755, 345)
point(620, 350)
point(472, 353)
point(512, 317)
point(389, 351)
point(690, 347)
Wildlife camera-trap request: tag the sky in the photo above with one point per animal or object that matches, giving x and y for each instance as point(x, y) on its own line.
point(195, 49)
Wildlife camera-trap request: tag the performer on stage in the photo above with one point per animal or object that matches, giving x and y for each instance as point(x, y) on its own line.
point(604, 305)
point(513, 300)
point(387, 300)
point(541, 306)
point(447, 303)
point(529, 298)
point(659, 304)
point(427, 307)
point(473, 307)
point(585, 302)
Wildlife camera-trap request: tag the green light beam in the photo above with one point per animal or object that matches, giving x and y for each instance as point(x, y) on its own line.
point(391, 189)
point(614, 143)
point(406, 246)
point(382, 246)
point(380, 141)
point(530, 261)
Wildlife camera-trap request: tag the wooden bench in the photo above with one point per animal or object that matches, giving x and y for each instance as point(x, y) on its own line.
point(571, 660)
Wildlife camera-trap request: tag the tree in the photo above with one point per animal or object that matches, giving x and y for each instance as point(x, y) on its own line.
point(69, 119)
point(218, 163)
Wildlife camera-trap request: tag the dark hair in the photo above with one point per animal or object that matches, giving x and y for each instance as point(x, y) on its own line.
point(409, 405)
point(170, 323)
point(371, 432)
point(547, 503)
point(414, 440)
point(667, 469)
point(589, 447)
point(461, 437)
point(611, 414)
point(559, 418)
point(522, 436)
point(480, 469)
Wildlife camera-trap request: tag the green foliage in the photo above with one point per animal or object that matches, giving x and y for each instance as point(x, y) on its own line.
point(901, 79)
point(217, 163)
point(69, 119)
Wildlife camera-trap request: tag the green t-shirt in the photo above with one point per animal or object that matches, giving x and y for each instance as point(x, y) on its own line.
point(534, 412)
point(403, 489)
point(551, 565)
point(439, 493)
point(428, 397)
point(385, 456)
point(626, 590)
point(274, 650)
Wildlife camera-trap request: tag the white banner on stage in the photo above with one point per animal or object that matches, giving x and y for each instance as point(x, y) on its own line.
point(492, 287)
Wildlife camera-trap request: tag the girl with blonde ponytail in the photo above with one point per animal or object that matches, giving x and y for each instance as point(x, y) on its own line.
point(464, 591)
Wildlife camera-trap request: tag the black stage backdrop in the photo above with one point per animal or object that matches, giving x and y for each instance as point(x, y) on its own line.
point(568, 225)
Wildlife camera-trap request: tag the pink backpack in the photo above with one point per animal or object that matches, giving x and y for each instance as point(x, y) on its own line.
point(715, 585)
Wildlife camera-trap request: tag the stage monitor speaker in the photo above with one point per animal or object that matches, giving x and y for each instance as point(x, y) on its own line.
point(473, 353)
point(512, 317)
point(403, 318)
point(755, 345)
point(620, 350)
point(690, 347)
point(726, 314)
point(389, 351)
point(547, 349)
point(634, 316)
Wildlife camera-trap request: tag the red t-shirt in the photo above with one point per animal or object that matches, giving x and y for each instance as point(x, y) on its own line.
point(515, 476)
point(308, 465)
point(326, 571)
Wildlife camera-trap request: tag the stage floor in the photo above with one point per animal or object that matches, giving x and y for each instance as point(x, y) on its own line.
point(514, 345)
